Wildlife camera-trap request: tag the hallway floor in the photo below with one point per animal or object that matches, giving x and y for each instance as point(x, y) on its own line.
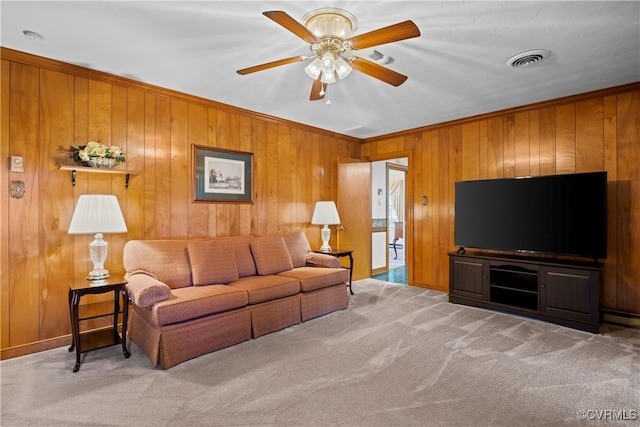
point(397, 267)
point(395, 275)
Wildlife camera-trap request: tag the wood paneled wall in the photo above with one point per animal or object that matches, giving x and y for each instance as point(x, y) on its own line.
point(590, 132)
point(47, 106)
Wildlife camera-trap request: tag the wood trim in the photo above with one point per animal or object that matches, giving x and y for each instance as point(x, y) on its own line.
point(4, 207)
point(61, 341)
point(620, 318)
point(390, 156)
point(23, 350)
point(78, 71)
point(409, 222)
point(525, 108)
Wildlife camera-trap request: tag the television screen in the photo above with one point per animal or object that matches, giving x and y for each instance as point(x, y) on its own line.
point(555, 214)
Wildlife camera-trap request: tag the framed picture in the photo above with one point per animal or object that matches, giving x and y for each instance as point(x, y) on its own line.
point(221, 175)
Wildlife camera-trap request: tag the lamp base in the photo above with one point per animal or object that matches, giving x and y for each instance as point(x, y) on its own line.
point(98, 252)
point(326, 235)
point(325, 248)
point(98, 274)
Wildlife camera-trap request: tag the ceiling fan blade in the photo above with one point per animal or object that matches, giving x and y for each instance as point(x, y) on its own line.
point(377, 71)
point(292, 25)
point(318, 89)
point(392, 33)
point(273, 64)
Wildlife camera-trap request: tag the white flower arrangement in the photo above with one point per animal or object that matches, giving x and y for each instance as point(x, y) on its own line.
point(97, 154)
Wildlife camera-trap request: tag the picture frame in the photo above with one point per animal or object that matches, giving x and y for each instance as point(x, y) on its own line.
point(221, 175)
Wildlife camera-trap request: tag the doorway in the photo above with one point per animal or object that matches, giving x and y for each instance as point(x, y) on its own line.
point(389, 245)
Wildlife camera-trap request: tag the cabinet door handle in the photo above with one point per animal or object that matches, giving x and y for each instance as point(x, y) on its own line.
point(543, 285)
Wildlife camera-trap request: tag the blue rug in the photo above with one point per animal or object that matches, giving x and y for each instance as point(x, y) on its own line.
point(394, 275)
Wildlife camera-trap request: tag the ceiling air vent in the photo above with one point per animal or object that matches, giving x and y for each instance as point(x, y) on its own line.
point(381, 58)
point(528, 58)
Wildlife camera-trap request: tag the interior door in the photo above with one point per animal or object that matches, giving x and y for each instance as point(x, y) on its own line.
point(354, 207)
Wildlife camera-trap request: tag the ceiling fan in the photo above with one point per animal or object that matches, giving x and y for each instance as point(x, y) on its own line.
point(328, 32)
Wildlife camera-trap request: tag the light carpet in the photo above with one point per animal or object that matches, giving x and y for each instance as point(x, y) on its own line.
point(398, 356)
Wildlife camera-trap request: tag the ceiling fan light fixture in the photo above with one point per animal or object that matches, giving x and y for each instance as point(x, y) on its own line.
point(330, 22)
point(314, 68)
point(328, 77)
point(328, 63)
point(329, 34)
point(342, 68)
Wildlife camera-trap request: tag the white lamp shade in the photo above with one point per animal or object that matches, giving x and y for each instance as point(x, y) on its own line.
point(325, 213)
point(314, 68)
point(342, 68)
point(97, 213)
point(328, 77)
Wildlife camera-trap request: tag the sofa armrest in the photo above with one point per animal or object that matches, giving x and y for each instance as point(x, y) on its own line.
point(322, 260)
point(145, 290)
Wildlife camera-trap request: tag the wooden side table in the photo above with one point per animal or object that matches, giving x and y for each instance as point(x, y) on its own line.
point(94, 340)
point(341, 253)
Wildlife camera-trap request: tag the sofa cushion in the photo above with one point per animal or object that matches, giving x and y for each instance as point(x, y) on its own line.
point(298, 247)
point(267, 288)
point(244, 259)
point(167, 260)
point(212, 262)
point(312, 278)
point(145, 290)
point(270, 254)
point(196, 301)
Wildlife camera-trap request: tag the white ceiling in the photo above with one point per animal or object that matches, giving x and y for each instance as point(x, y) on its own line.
point(456, 68)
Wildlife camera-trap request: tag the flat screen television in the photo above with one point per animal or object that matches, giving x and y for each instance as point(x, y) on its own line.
point(554, 214)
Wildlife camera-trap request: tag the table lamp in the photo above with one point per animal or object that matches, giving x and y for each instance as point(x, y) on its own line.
point(97, 213)
point(325, 213)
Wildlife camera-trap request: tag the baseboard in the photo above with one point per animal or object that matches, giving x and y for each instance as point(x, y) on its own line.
point(379, 270)
point(621, 318)
point(37, 347)
point(23, 350)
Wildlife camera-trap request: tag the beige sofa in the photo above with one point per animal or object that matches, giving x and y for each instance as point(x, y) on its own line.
point(191, 297)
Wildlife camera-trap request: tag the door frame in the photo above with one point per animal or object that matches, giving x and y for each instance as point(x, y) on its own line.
point(408, 230)
point(404, 169)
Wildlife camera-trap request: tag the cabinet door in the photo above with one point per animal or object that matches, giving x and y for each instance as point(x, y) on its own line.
point(570, 293)
point(467, 278)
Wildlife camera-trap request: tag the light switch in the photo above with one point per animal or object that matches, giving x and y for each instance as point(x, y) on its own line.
point(17, 164)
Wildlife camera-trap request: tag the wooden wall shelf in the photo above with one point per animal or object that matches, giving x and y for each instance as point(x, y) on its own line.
point(76, 169)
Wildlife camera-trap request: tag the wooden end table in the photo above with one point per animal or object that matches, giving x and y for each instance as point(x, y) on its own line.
point(94, 340)
point(341, 253)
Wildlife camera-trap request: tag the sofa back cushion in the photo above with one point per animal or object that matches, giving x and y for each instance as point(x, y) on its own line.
point(298, 247)
point(270, 254)
point(244, 259)
point(212, 262)
point(167, 260)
